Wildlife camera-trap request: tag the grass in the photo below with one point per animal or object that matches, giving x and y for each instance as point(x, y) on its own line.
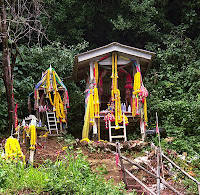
point(69, 176)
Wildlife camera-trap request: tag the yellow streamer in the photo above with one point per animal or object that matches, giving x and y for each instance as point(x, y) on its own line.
point(48, 81)
point(115, 92)
point(54, 82)
point(112, 76)
point(116, 76)
point(58, 103)
point(145, 110)
point(116, 117)
point(133, 107)
point(96, 72)
point(96, 103)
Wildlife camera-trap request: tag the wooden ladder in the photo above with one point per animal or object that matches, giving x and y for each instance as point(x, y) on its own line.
point(113, 127)
point(51, 120)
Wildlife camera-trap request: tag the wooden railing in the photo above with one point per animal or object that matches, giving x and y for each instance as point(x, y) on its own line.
point(173, 163)
point(121, 165)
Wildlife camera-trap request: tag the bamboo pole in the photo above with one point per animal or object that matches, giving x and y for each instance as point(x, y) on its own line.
point(158, 171)
point(148, 189)
point(164, 182)
point(122, 164)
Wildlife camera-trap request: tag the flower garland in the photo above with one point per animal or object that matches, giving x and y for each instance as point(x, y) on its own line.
point(96, 96)
point(125, 119)
point(58, 103)
point(33, 134)
point(91, 107)
point(12, 148)
point(96, 103)
point(109, 117)
point(136, 87)
point(143, 94)
point(115, 92)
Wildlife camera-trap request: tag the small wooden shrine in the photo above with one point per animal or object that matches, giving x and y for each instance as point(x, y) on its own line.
point(115, 92)
point(51, 101)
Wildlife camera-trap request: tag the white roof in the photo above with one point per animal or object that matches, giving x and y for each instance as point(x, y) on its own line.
point(82, 60)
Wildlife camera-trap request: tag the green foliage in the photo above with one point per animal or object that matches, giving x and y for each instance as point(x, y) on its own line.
point(28, 72)
point(76, 110)
point(70, 176)
point(36, 60)
point(174, 86)
point(3, 106)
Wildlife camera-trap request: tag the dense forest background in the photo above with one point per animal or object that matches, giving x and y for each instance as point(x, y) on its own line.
point(168, 27)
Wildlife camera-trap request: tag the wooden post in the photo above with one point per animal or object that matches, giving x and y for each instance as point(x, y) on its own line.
point(122, 164)
point(158, 171)
point(31, 156)
point(124, 125)
point(142, 130)
point(61, 126)
point(110, 131)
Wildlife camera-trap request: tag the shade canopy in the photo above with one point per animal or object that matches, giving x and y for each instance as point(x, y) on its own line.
point(126, 56)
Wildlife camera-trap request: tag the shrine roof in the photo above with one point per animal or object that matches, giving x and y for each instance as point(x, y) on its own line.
point(83, 60)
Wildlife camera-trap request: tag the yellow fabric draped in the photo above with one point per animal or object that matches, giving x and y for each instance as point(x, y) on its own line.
point(86, 125)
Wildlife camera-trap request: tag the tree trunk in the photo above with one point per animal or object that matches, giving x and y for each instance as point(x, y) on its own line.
point(6, 68)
